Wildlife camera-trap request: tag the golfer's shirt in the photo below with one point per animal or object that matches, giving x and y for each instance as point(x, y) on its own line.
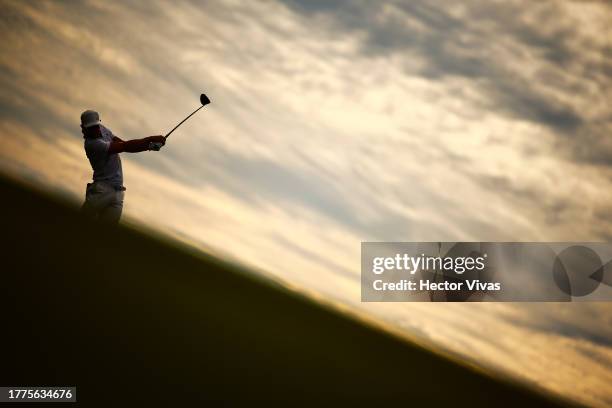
point(106, 167)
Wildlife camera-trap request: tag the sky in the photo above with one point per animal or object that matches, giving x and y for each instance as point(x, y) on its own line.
point(337, 122)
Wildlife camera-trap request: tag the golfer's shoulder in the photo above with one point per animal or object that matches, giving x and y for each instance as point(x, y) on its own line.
point(97, 145)
point(106, 132)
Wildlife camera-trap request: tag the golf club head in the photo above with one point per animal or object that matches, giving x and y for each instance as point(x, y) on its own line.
point(204, 100)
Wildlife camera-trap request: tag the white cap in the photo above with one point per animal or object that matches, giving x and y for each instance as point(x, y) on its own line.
point(90, 118)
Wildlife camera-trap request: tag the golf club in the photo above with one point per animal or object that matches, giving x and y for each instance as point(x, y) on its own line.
point(203, 101)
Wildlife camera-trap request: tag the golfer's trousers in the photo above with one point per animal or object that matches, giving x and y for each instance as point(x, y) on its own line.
point(103, 201)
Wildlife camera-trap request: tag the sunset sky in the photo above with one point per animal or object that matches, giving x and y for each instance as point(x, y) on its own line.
point(337, 122)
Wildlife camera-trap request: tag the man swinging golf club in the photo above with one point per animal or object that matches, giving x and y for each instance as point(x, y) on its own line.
point(104, 196)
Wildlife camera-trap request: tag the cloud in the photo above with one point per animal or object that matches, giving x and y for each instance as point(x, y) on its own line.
point(532, 63)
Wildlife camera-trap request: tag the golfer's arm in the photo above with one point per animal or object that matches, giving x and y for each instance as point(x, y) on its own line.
point(130, 146)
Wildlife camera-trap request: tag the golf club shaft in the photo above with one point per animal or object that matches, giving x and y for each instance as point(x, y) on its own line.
point(181, 122)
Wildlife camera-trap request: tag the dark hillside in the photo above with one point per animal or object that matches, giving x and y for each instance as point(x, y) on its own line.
point(133, 319)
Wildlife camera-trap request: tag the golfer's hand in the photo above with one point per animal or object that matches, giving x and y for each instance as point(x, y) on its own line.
point(158, 139)
point(156, 142)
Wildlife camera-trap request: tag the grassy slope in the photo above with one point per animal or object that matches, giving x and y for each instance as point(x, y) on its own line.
point(128, 317)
